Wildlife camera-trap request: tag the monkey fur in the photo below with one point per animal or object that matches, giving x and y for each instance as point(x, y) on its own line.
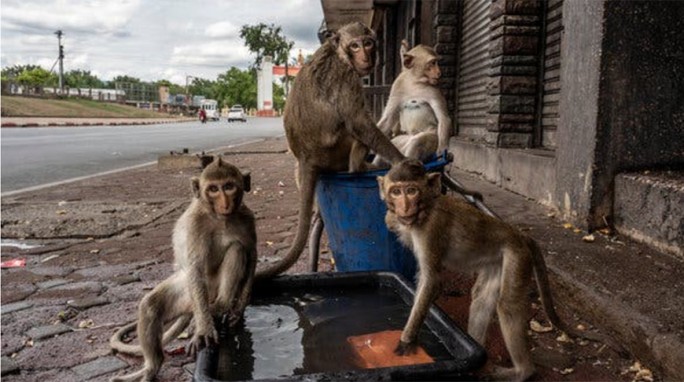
point(327, 123)
point(445, 232)
point(214, 244)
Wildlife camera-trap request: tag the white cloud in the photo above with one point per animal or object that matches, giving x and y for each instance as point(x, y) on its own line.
point(224, 29)
point(99, 16)
point(148, 39)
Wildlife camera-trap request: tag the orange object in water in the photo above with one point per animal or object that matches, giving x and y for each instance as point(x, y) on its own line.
point(377, 350)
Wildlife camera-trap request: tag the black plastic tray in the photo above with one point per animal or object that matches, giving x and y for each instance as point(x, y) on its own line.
point(467, 354)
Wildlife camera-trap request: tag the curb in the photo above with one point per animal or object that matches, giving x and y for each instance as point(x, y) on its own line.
point(74, 124)
point(638, 333)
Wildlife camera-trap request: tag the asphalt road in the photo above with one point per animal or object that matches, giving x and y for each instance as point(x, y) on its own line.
point(32, 157)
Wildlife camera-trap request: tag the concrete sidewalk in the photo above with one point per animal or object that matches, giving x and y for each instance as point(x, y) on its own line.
point(57, 121)
point(105, 241)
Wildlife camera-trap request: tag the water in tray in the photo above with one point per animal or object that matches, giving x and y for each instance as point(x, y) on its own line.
point(320, 331)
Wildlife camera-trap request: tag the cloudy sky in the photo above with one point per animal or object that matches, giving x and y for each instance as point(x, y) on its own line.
point(148, 39)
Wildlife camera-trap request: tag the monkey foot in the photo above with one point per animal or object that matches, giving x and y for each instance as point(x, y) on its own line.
point(509, 374)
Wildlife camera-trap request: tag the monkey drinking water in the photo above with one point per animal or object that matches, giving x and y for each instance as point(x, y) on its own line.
point(327, 123)
point(214, 244)
point(445, 232)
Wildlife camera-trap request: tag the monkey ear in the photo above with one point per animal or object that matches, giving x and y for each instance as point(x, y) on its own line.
point(246, 181)
point(434, 181)
point(335, 39)
point(381, 186)
point(371, 33)
point(195, 186)
point(408, 61)
point(206, 160)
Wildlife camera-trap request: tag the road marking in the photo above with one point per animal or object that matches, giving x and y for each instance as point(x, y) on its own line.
point(110, 172)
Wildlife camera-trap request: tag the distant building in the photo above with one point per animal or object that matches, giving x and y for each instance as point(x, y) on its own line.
point(265, 76)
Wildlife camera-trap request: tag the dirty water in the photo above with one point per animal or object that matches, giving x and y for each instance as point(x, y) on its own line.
point(311, 333)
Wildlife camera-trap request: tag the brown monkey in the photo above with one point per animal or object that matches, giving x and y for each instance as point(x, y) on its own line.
point(214, 244)
point(446, 232)
point(416, 106)
point(327, 124)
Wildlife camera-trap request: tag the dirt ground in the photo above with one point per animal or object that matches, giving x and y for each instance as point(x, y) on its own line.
point(103, 242)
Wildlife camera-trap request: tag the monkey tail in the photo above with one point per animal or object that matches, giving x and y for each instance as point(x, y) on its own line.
point(116, 341)
point(308, 178)
point(129, 377)
point(542, 278)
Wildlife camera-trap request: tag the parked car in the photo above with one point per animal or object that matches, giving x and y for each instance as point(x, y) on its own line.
point(236, 113)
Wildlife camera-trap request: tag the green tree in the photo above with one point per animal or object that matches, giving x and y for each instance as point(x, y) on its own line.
point(278, 97)
point(37, 77)
point(124, 79)
point(237, 86)
point(82, 79)
point(267, 40)
point(201, 86)
point(14, 71)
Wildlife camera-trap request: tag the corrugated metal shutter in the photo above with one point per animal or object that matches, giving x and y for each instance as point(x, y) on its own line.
point(552, 80)
point(474, 64)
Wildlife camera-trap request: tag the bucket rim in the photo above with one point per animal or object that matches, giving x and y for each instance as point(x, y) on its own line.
point(437, 163)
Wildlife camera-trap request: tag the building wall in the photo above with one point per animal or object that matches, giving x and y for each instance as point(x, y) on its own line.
point(641, 104)
point(553, 99)
point(583, 89)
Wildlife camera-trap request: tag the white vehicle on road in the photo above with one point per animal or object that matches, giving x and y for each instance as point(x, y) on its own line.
point(236, 113)
point(210, 107)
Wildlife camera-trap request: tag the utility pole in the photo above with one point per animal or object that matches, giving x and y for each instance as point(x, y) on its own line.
point(187, 88)
point(61, 61)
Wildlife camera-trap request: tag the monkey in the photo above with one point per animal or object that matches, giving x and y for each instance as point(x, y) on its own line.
point(327, 123)
point(416, 106)
point(445, 232)
point(214, 244)
point(417, 138)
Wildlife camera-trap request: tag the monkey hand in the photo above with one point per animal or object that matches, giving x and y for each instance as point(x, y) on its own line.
point(406, 348)
point(204, 336)
point(234, 317)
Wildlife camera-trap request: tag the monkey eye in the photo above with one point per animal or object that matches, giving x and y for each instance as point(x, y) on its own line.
point(412, 191)
point(368, 44)
point(355, 46)
point(229, 187)
point(213, 188)
point(395, 191)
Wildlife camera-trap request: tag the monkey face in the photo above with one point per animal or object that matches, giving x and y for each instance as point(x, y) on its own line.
point(409, 192)
point(432, 72)
point(403, 199)
point(423, 62)
point(362, 54)
point(220, 188)
point(355, 44)
point(224, 197)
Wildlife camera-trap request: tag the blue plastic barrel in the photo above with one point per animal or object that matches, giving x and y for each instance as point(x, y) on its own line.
point(354, 218)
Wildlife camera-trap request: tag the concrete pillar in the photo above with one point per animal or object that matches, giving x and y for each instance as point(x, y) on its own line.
point(265, 87)
point(512, 86)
